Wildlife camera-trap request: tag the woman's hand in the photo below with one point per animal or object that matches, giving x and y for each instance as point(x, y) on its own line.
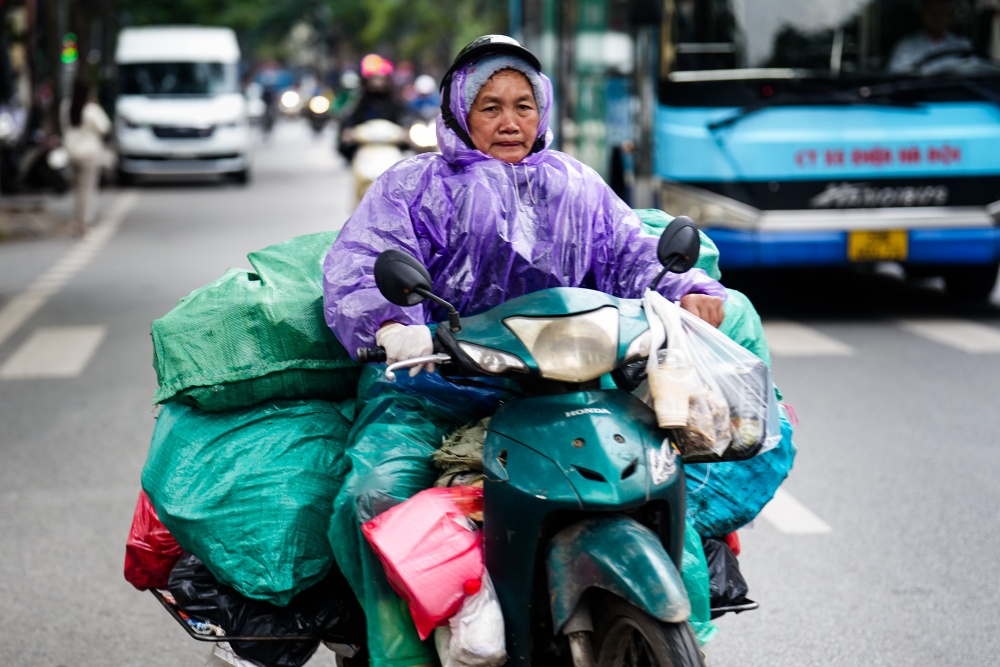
point(708, 308)
point(403, 341)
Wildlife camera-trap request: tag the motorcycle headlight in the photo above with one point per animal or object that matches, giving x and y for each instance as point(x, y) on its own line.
point(319, 105)
point(571, 349)
point(423, 135)
point(492, 361)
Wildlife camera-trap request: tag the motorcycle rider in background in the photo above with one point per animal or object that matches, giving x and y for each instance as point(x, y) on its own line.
point(378, 99)
point(496, 214)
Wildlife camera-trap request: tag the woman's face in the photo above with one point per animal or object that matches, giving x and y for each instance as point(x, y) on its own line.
point(503, 121)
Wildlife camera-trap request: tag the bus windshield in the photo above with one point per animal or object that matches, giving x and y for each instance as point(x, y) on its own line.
point(178, 79)
point(744, 39)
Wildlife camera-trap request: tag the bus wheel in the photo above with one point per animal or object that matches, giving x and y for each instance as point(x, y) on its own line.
point(971, 283)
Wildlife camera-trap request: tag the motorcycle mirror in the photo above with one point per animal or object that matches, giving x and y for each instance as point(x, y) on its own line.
point(400, 277)
point(679, 245)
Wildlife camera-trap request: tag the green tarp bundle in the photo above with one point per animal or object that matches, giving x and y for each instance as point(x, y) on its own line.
point(253, 336)
point(250, 492)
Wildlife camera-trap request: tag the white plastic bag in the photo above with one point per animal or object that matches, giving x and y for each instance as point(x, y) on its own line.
point(474, 636)
point(733, 410)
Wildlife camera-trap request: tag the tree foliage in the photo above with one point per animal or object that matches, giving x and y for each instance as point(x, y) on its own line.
point(427, 31)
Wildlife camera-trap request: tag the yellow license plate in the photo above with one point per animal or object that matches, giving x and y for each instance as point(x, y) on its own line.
point(874, 246)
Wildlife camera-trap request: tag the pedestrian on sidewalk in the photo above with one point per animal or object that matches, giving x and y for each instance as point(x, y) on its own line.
point(84, 124)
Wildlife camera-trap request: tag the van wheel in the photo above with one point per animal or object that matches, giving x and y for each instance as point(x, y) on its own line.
point(123, 178)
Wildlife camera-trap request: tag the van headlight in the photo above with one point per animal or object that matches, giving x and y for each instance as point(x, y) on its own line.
point(129, 124)
point(577, 348)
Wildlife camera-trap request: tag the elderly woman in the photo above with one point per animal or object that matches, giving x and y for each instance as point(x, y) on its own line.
point(497, 214)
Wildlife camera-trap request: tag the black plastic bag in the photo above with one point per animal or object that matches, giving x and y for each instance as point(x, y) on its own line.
point(726, 585)
point(326, 611)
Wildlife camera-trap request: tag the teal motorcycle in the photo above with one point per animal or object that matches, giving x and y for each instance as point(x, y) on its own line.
point(584, 494)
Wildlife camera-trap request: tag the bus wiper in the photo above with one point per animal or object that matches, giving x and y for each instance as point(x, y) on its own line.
point(843, 98)
point(905, 86)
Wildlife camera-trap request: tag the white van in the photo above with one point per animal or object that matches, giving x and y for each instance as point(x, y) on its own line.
point(179, 108)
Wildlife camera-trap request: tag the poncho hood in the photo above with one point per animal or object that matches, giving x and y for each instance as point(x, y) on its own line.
point(457, 152)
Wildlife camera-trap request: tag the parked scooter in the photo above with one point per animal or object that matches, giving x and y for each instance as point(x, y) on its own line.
point(45, 166)
point(584, 494)
point(38, 165)
point(380, 145)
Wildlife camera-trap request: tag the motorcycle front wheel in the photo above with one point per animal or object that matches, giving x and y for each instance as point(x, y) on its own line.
point(625, 636)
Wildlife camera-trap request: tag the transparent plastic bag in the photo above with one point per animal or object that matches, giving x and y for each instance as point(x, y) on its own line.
point(474, 636)
point(732, 407)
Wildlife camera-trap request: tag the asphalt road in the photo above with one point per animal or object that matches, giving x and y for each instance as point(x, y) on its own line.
point(880, 549)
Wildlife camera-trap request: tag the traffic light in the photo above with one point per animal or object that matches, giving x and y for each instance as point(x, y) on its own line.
point(70, 53)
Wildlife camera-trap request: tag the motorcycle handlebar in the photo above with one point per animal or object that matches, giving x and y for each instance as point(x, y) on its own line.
point(371, 355)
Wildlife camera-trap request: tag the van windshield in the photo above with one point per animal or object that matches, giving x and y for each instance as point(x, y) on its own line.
point(178, 79)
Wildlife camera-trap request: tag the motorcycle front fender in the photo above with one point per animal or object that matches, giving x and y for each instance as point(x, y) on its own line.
point(618, 555)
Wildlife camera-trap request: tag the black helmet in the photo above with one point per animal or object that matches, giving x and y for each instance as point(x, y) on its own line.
point(481, 46)
point(473, 51)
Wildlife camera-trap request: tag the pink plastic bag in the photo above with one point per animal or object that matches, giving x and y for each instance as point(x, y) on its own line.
point(151, 551)
point(430, 548)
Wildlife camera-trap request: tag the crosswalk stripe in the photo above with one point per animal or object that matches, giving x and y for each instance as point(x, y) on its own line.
point(970, 337)
point(53, 352)
point(790, 516)
point(790, 339)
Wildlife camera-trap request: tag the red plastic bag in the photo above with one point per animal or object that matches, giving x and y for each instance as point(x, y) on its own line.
point(151, 551)
point(430, 548)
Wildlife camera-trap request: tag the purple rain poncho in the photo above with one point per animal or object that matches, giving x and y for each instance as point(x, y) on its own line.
point(489, 231)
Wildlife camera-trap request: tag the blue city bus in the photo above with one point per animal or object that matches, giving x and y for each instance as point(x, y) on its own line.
point(806, 133)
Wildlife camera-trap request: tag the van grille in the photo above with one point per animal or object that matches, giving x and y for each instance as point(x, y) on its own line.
point(168, 132)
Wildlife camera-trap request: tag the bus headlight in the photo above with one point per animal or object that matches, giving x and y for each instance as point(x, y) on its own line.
point(707, 209)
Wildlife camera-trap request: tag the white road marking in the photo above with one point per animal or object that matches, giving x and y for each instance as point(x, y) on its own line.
point(970, 337)
point(53, 352)
point(790, 339)
point(790, 516)
point(23, 306)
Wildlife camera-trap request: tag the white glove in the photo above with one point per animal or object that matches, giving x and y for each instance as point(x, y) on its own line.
point(406, 341)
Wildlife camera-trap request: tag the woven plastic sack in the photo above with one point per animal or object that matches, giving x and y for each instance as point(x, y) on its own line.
point(254, 336)
point(654, 221)
point(430, 548)
point(250, 492)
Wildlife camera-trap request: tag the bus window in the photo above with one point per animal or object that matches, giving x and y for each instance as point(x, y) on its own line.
point(824, 37)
